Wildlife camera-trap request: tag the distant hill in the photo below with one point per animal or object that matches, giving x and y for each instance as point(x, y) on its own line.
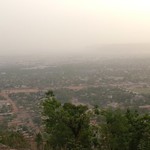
point(123, 50)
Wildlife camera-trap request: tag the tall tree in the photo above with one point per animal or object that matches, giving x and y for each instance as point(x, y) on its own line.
point(67, 125)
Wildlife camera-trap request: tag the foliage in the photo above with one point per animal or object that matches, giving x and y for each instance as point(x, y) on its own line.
point(76, 127)
point(67, 125)
point(130, 130)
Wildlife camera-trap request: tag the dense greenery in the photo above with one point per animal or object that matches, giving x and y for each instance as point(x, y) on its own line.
point(128, 131)
point(67, 126)
point(76, 127)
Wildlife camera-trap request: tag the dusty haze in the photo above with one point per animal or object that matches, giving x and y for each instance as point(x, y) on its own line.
point(72, 26)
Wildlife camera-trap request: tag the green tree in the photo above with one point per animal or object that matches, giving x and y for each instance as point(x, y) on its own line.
point(67, 125)
point(114, 131)
point(139, 130)
point(126, 130)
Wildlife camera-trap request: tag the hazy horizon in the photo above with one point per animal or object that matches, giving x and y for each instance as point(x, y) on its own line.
point(37, 27)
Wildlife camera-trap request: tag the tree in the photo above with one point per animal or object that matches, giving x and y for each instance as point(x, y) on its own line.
point(128, 131)
point(114, 131)
point(67, 125)
point(139, 130)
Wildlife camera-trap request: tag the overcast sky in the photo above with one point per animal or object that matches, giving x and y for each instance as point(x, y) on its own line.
point(40, 26)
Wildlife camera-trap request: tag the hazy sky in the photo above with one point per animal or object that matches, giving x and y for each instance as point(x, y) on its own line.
point(35, 26)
